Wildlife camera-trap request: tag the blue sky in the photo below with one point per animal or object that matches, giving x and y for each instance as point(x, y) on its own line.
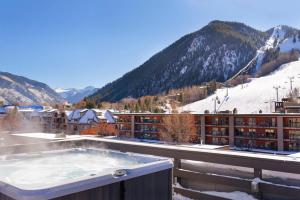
point(76, 43)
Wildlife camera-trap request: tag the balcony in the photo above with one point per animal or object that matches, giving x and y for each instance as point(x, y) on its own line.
point(253, 146)
point(249, 135)
point(293, 124)
point(124, 129)
point(147, 130)
point(148, 121)
point(261, 124)
point(218, 123)
point(124, 121)
point(218, 133)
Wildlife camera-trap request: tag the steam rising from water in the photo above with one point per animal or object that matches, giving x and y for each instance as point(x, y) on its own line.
point(53, 168)
point(15, 122)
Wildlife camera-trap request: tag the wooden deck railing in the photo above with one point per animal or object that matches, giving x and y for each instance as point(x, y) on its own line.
point(257, 162)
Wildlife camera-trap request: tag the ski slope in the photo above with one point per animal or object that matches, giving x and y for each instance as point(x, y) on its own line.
point(251, 97)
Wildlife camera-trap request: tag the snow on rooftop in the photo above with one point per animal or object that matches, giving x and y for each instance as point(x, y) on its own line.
point(253, 96)
point(89, 117)
point(203, 146)
point(74, 115)
point(67, 112)
point(47, 136)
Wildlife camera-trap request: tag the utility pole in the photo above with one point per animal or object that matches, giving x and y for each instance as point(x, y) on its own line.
point(291, 78)
point(276, 88)
point(216, 100)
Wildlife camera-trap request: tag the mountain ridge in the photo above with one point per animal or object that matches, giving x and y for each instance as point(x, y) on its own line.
point(74, 95)
point(15, 89)
point(215, 52)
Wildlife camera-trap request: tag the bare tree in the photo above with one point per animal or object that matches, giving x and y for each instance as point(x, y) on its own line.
point(294, 94)
point(107, 129)
point(178, 128)
point(12, 120)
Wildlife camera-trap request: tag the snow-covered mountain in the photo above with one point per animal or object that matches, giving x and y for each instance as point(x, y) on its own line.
point(18, 89)
point(75, 95)
point(251, 97)
point(215, 52)
point(281, 39)
point(219, 51)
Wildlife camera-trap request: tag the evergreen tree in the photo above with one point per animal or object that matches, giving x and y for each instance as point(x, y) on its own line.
point(90, 105)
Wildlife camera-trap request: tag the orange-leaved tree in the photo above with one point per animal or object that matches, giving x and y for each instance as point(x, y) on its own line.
point(178, 128)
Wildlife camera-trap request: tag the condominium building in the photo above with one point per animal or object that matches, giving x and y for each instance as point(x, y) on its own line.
point(245, 131)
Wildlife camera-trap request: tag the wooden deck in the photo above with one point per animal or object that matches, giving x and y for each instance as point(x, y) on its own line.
point(256, 161)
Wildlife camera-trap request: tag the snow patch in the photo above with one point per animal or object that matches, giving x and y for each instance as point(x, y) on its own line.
point(273, 42)
point(7, 79)
point(289, 44)
point(253, 96)
point(236, 195)
point(183, 70)
point(196, 44)
point(89, 117)
point(180, 197)
point(61, 90)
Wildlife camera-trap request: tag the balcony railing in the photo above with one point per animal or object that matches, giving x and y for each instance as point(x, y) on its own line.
point(263, 124)
point(147, 130)
point(253, 146)
point(294, 124)
point(255, 135)
point(294, 137)
point(124, 121)
point(219, 123)
point(225, 142)
point(149, 121)
point(218, 133)
point(124, 129)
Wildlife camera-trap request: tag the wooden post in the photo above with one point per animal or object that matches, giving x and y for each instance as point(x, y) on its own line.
point(280, 146)
point(202, 129)
point(255, 184)
point(177, 165)
point(231, 131)
point(257, 173)
point(132, 127)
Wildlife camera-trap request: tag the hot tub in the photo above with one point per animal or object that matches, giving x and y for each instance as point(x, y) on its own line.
point(84, 173)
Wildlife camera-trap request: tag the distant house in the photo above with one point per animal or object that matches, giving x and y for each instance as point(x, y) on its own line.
point(31, 107)
point(50, 120)
point(288, 105)
point(88, 121)
point(2, 112)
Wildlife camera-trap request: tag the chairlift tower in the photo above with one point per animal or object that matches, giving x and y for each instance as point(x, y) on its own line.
point(216, 101)
point(291, 78)
point(276, 88)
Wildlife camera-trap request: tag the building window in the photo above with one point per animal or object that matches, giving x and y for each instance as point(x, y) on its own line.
point(294, 135)
point(215, 131)
point(294, 122)
point(215, 141)
point(239, 131)
point(270, 133)
point(223, 131)
point(239, 121)
point(252, 122)
point(215, 121)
